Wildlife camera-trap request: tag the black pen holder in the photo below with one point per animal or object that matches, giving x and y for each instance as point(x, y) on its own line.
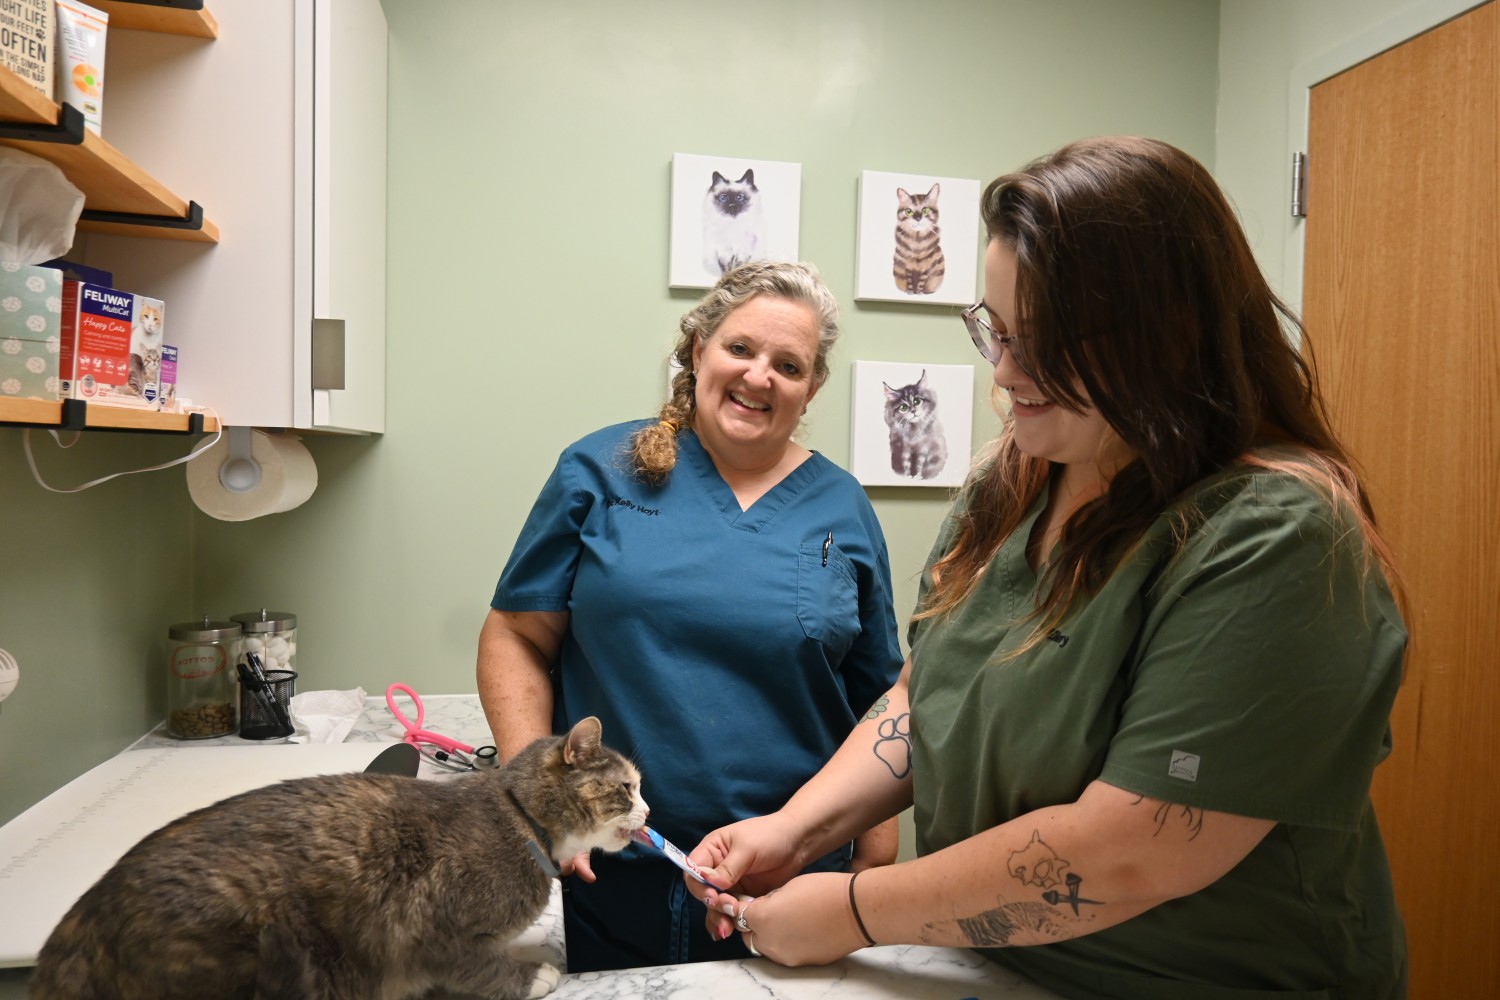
point(266, 706)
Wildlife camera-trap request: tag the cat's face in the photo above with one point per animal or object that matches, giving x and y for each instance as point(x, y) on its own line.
point(732, 198)
point(150, 319)
point(605, 786)
point(917, 211)
point(909, 404)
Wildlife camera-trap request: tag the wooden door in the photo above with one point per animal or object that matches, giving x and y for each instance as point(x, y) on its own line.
point(1401, 300)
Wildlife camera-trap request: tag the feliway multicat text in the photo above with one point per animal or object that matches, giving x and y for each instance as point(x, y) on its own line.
point(111, 346)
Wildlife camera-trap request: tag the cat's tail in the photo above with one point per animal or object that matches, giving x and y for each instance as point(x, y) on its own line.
point(283, 969)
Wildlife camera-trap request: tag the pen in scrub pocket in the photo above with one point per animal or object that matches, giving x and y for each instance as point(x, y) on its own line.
point(827, 542)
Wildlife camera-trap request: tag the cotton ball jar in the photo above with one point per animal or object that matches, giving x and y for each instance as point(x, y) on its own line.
point(271, 636)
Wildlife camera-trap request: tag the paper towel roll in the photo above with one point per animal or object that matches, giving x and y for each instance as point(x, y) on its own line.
point(287, 478)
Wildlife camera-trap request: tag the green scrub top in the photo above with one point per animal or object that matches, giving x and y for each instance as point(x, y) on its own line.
point(1251, 673)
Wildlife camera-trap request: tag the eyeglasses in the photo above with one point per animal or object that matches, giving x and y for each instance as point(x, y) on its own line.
point(992, 343)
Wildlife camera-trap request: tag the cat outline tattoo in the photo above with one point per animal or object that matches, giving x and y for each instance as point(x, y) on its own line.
point(734, 223)
point(348, 885)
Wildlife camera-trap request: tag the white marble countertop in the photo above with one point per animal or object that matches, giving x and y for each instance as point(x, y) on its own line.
point(896, 972)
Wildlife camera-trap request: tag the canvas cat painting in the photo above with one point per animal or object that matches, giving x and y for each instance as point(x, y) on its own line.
point(366, 886)
point(918, 448)
point(918, 262)
point(734, 223)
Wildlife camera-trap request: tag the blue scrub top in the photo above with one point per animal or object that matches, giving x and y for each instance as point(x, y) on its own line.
point(719, 648)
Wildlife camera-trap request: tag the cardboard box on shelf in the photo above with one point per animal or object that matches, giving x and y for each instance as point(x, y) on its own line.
point(30, 331)
point(27, 47)
point(111, 351)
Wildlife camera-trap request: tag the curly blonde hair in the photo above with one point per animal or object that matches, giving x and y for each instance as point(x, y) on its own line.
point(654, 447)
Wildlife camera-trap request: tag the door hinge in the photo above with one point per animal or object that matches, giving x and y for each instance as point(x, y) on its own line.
point(1299, 185)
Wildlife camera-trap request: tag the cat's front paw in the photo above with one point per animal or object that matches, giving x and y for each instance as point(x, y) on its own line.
point(546, 979)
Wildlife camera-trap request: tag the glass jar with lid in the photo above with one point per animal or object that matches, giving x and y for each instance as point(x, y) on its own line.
point(202, 686)
point(270, 635)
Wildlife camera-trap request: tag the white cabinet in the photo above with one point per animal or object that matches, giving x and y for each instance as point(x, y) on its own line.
point(280, 125)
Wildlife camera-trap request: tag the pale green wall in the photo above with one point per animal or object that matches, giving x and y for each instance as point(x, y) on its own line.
point(528, 237)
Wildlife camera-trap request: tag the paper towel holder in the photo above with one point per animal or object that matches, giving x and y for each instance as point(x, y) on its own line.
point(240, 472)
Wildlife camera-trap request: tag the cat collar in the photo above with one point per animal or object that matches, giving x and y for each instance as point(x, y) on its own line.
point(543, 858)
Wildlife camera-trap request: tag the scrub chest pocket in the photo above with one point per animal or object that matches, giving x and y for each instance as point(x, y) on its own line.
point(827, 598)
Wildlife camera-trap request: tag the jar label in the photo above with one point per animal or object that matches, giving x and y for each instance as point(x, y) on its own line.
point(193, 663)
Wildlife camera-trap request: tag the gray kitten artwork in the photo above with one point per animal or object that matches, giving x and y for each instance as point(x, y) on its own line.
point(348, 886)
point(918, 448)
point(918, 263)
point(734, 223)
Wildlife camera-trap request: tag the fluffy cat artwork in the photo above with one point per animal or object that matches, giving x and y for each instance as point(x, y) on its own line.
point(918, 448)
point(911, 423)
point(734, 223)
point(918, 261)
point(347, 886)
point(726, 211)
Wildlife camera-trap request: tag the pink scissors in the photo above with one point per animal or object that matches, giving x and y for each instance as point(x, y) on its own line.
point(450, 752)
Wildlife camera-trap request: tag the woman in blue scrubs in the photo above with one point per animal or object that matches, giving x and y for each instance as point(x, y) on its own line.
point(692, 573)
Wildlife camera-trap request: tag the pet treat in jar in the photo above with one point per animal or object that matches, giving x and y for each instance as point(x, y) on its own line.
point(202, 689)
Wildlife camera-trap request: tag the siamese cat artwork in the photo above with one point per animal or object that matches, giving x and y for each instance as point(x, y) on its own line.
point(918, 448)
point(734, 223)
point(368, 886)
point(918, 262)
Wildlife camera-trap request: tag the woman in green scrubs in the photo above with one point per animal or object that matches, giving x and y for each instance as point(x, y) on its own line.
point(1156, 646)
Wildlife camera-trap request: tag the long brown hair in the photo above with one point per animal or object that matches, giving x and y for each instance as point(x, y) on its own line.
point(1139, 295)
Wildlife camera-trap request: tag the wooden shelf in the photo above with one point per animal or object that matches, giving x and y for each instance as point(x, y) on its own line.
point(110, 182)
point(41, 413)
point(165, 20)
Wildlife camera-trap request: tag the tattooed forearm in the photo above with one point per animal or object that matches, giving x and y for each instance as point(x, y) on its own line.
point(894, 745)
point(995, 928)
point(881, 704)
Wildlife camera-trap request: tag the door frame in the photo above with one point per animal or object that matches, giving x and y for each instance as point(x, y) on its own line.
point(1389, 34)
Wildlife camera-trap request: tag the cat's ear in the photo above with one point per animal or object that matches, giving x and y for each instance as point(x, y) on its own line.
point(902, 198)
point(583, 739)
point(718, 179)
point(889, 392)
point(922, 381)
point(933, 193)
point(749, 178)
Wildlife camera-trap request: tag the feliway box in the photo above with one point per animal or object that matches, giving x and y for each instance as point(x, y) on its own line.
point(111, 346)
point(30, 320)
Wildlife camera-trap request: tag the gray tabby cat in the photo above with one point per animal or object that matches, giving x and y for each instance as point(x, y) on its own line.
point(145, 369)
point(352, 886)
point(918, 265)
point(918, 448)
point(734, 223)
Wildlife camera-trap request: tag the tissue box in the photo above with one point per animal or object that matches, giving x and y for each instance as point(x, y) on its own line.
point(30, 330)
point(111, 346)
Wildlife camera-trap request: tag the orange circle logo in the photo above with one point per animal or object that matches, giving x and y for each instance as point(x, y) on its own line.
point(86, 79)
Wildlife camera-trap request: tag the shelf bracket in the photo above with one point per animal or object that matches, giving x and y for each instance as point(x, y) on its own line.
point(68, 131)
point(174, 4)
point(193, 220)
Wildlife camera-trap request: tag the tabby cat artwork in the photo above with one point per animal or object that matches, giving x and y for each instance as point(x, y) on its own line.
point(369, 886)
point(734, 223)
point(918, 263)
point(918, 448)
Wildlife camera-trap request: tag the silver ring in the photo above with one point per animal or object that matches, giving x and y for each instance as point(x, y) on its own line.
point(751, 946)
point(739, 921)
